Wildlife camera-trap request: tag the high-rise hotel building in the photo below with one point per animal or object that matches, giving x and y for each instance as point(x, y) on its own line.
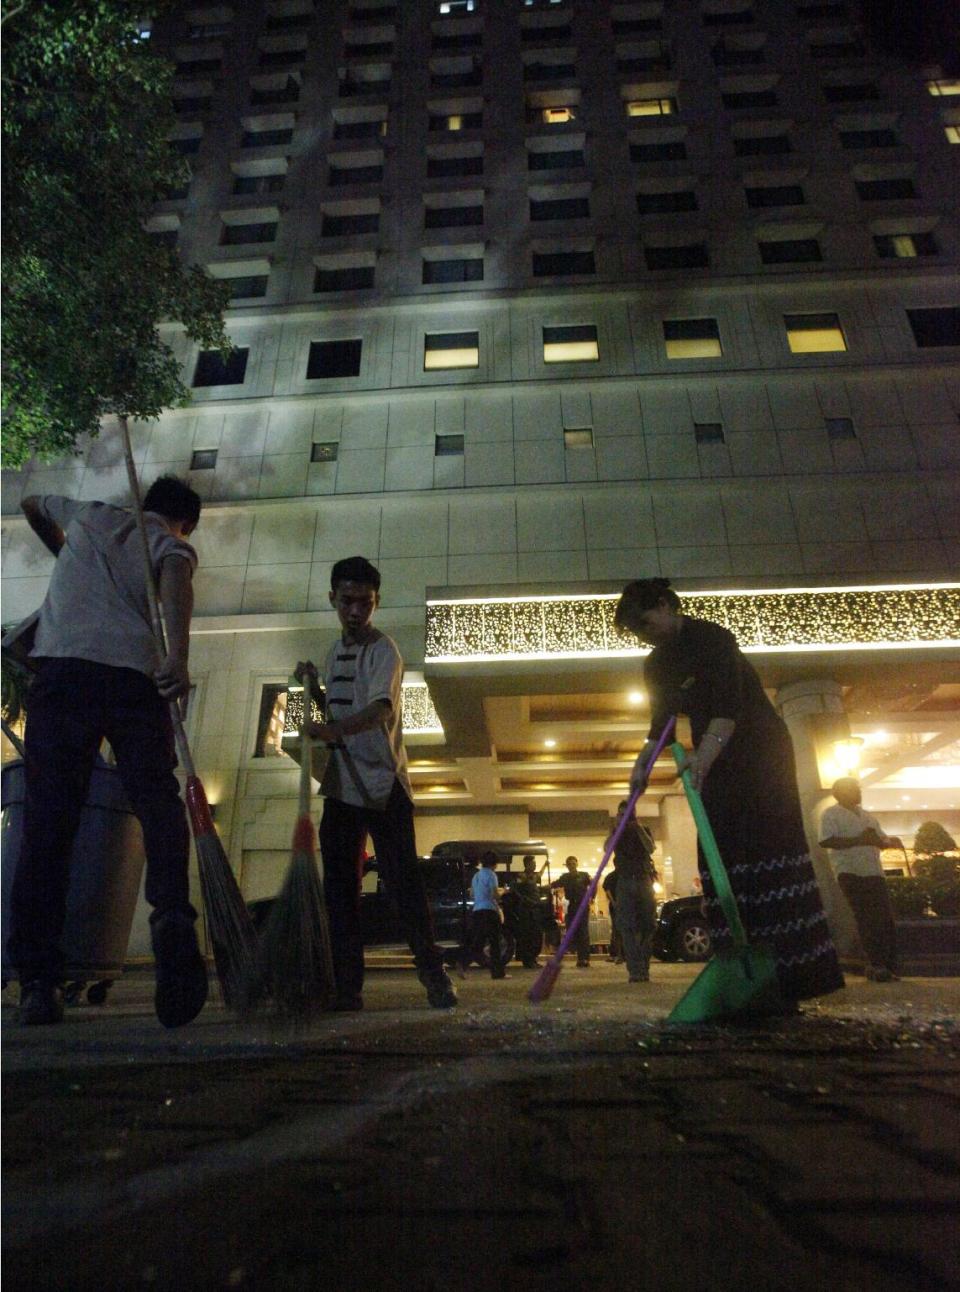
point(530, 298)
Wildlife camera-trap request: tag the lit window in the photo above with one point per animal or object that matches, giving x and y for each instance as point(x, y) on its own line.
point(952, 133)
point(651, 107)
point(570, 344)
point(692, 338)
point(578, 437)
point(814, 333)
point(455, 122)
point(904, 246)
point(457, 6)
point(943, 89)
point(203, 459)
point(557, 116)
point(451, 350)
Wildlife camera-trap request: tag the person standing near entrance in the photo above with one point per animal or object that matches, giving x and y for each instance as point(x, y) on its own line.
point(855, 839)
point(636, 903)
point(485, 922)
point(99, 677)
point(574, 885)
point(529, 918)
point(366, 788)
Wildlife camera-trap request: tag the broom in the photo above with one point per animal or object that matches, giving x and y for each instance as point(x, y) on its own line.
point(232, 933)
point(297, 964)
point(550, 972)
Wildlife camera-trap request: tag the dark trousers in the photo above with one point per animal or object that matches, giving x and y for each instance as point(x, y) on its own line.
point(343, 829)
point(636, 919)
point(73, 705)
point(870, 902)
point(485, 928)
point(581, 939)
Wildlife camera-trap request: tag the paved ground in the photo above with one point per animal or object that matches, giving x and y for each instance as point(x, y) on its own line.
point(581, 1144)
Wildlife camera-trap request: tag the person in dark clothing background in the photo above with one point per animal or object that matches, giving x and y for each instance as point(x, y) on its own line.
point(636, 904)
point(528, 920)
point(574, 885)
point(743, 763)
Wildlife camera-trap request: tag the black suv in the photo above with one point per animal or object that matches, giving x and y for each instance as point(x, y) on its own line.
point(682, 931)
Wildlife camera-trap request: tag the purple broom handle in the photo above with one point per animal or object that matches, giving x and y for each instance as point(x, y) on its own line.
point(588, 896)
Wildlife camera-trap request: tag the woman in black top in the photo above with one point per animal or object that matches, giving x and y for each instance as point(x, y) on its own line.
point(743, 764)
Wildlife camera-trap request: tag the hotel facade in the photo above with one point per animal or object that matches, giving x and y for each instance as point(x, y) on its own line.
point(530, 299)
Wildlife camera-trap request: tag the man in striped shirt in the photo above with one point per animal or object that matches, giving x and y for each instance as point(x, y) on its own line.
point(366, 788)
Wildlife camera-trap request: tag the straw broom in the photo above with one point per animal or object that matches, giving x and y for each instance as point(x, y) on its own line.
point(297, 964)
point(232, 933)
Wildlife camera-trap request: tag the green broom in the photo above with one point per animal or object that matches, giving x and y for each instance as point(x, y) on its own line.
point(296, 959)
point(742, 981)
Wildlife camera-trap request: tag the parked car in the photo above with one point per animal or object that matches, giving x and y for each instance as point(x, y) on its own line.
point(682, 931)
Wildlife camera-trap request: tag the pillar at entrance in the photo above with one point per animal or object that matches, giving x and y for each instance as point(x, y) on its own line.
point(679, 843)
point(815, 717)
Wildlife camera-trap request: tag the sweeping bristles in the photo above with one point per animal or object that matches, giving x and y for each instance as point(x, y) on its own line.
point(296, 958)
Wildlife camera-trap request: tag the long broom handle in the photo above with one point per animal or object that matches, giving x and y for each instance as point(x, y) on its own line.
point(306, 756)
point(183, 747)
point(612, 842)
point(711, 853)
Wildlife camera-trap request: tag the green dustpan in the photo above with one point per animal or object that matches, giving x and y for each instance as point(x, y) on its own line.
point(735, 983)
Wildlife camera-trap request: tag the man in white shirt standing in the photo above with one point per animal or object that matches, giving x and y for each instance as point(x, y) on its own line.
point(366, 788)
point(855, 839)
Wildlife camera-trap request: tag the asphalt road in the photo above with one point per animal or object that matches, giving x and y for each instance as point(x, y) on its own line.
point(582, 1144)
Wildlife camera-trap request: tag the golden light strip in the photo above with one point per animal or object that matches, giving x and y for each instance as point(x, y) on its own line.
point(881, 617)
point(419, 716)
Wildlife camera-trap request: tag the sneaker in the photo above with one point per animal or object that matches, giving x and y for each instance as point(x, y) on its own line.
point(40, 1002)
point(347, 1004)
point(181, 972)
point(440, 990)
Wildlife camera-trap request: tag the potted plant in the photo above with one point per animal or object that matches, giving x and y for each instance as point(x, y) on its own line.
point(939, 872)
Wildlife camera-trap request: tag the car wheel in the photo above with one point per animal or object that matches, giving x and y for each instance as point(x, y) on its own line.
point(691, 941)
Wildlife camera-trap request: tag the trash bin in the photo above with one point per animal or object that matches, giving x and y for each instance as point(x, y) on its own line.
point(105, 868)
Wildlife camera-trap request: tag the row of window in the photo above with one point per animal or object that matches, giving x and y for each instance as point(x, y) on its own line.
point(684, 339)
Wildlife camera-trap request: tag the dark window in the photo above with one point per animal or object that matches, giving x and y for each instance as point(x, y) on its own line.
point(349, 89)
point(762, 146)
point(445, 446)
point(213, 370)
point(254, 285)
point(840, 428)
point(371, 50)
point(325, 451)
point(203, 459)
point(849, 48)
point(693, 255)
point(635, 26)
point(708, 432)
point(288, 21)
point(456, 80)
point(935, 327)
point(288, 93)
point(776, 195)
point(371, 17)
point(192, 106)
point(885, 190)
point(195, 66)
point(175, 193)
point(282, 57)
point(851, 93)
point(264, 138)
point(566, 208)
point(644, 66)
point(728, 18)
point(347, 278)
point(359, 129)
point(555, 160)
point(355, 175)
point(453, 271)
point(544, 35)
point(731, 56)
point(467, 120)
point(674, 150)
point(208, 31)
point(456, 40)
point(550, 264)
point(164, 237)
point(258, 183)
point(334, 359)
point(790, 251)
point(549, 71)
point(816, 12)
point(749, 99)
point(452, 217)
point(336, 226)
point(652, 203)
point(868, 139)
point(235, 234)
point(186, 147)
point(905, 245)
point(442, 167)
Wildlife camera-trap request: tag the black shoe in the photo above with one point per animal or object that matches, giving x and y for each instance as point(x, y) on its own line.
point(347, 1004)
point(441, 992)
point(40, 1002)
point(181, 972)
